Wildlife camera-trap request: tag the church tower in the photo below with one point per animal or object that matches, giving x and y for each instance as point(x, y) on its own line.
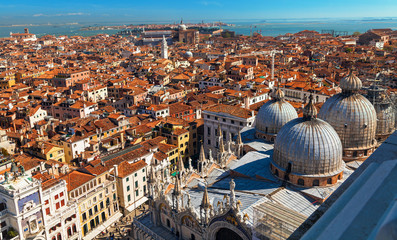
point(164, 48)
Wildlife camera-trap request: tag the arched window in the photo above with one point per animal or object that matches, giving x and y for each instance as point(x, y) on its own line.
point(276, 172)
point(192, 237)
point(301, 182)
point(339, 176)
point(69, 232)
point(74, 228)
point(286, 177)
point(85, 229)
point(289, 168)
point(316, 182)
point(329, 181)
point(3, 206)
point(168, 223)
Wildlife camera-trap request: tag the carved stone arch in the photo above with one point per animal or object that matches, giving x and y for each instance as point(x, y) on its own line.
point(190, 222)
point(161, 205)
point(215, 227)
point(39, 238)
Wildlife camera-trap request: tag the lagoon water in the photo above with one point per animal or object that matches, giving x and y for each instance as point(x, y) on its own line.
point(280, 28)
point(267, 28)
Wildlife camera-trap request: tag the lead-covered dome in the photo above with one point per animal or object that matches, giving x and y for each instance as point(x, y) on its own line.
point(308, 151)
point(354, 119)
point(385, 124)
point(273, 115)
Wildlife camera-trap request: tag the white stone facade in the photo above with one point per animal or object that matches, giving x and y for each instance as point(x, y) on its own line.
point(229, 124)
point(60, 214)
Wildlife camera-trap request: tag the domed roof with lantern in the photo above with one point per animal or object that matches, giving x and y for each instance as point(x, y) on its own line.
point(274, 114)
point(309, 146)
point(351, 115)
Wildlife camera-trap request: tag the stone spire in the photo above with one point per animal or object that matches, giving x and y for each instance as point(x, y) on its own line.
point(205, 207)
point(310, 111)
point(205, 201)
point(152, 176)
point(202, 162)
point(202, 154)
point(177, 187)
point(181, 167)
point(153, 184)
point(164, 48)
point(177, 193)
point(221, 145)
point(219, 131)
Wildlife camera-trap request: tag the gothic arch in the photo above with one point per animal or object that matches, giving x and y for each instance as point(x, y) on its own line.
point(163, 205)
point(39, 238)
point(215, 227)
point(190, 222)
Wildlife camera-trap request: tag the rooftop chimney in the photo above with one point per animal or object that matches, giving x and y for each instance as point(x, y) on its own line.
point(116, 172)
point(26, 30)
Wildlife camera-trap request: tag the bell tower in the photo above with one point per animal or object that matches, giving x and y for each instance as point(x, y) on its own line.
point(164, 48)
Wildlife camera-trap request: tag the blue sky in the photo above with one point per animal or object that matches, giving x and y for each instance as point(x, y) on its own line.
point(57, 11)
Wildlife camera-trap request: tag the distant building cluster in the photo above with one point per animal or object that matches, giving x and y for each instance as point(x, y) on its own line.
point(214, 135)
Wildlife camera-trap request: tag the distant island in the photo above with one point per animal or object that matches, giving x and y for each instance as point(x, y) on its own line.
point(156, 26)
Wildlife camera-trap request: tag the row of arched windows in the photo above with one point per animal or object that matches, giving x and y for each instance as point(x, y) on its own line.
point(71, 230)
point(315, 182)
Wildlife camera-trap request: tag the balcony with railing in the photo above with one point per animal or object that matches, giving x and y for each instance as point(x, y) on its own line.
point(109, 180)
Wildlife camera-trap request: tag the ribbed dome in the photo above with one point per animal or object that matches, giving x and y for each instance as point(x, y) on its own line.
point(312, 147)
point(351, 83)
point(384, 110)
point(274, 114)
point(386, 119)
point(354, 119)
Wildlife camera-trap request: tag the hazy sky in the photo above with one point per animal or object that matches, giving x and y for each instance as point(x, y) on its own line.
point(57, 11)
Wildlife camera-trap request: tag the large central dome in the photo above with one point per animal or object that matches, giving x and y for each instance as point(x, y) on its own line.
point(308, 151)
point(354, 119)
point(273, 115)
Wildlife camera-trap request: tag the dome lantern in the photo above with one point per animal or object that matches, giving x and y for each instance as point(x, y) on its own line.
point(350, 83)
point(278, 94)
point(310, 111)
point(354, 119)
point(308, 151)
point(273, 115)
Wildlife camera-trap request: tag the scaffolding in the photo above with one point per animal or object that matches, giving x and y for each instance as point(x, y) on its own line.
point(274, 221)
